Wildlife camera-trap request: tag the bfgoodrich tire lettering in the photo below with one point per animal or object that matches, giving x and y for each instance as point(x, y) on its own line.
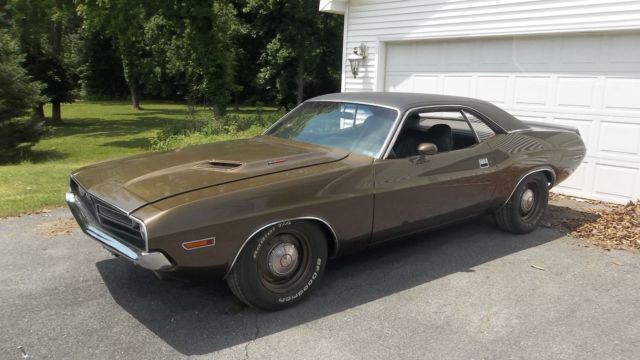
point(525, 209)
point(280, 265)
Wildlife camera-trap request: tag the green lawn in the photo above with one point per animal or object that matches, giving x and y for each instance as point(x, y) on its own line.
point(92, 131)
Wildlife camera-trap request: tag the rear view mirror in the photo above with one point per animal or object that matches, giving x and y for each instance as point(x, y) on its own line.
point(427, 149)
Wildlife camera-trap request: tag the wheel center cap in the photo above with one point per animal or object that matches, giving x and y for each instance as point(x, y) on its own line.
point(283, 259)
point(526, 202)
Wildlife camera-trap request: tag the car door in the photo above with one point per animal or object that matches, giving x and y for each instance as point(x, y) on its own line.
point(423, 191)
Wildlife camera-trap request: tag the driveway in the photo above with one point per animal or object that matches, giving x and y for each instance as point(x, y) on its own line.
point(469, 292)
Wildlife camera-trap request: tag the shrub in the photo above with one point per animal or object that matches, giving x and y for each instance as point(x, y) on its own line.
point(18, 96)
point(200, 131)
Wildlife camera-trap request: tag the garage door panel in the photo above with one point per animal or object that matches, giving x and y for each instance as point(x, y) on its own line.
point(457, 53)
point(531, 90)
point(496, 53)
point(624, 51)
point(584, 126)
point(622, 94)
point(399, 83)
point(578, 180)
point(615, 181)
point(492, 88)
point(590, 81)
point(428, 55)
point(619, 138)
point(457, 85)
point(580, 50)
point(575, 92)
point(431, 84)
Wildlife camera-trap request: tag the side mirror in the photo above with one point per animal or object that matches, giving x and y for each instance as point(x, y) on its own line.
point(427, 149)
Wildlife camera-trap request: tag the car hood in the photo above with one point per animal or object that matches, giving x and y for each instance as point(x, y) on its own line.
point(133, 182)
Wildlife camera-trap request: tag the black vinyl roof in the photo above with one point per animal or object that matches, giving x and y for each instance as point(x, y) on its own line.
point(406, 101)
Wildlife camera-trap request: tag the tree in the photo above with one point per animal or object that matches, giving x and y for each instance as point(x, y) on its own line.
point(43, 27)
point(302, 42)
point(126, 23)
point(100, 69)
point(194, 42)
point(123, 21)
point(18, 95)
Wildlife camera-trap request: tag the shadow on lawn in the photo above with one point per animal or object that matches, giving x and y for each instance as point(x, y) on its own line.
point(136, 143)
point(107, 128)
point(42, 156)
point(194, 316)
point(35, 157)
point(156, 112)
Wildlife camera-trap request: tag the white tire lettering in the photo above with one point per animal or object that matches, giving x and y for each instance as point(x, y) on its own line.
point(263, 238)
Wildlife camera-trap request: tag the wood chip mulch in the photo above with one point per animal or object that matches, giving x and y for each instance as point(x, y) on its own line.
point(58, 227)
point(606, 225)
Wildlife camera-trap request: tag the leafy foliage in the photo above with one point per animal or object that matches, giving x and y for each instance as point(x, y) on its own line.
point(207, 52)
point(18, 95)
point(302, 53)
point(44, 29)
point(194, 41)
point(100, 70)
point(200, 130)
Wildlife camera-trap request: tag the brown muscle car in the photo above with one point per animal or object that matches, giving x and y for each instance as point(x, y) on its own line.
point(337, 174)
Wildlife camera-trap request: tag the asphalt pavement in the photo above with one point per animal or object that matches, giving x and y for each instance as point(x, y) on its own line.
point(468, 292)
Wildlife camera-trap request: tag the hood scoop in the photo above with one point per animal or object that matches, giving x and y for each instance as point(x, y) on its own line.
point(220, 165)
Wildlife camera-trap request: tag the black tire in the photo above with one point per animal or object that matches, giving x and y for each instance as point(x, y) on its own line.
point(271, 275)
point(517, 218)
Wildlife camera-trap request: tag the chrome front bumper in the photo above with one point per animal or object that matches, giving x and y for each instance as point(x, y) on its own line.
point(152, 260)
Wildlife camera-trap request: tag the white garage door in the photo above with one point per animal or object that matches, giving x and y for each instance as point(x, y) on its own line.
point(590, 81)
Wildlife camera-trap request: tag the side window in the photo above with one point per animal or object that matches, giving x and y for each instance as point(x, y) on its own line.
point(453, 119)
point(480, 127)
point(447, 129)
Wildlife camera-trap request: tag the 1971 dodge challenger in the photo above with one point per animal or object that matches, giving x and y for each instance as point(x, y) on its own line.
point(337, 174)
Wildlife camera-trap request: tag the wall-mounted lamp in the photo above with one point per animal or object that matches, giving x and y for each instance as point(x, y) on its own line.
point(357, 58)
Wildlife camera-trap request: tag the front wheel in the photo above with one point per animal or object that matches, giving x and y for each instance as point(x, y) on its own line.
point(525, 209)
point(280, 265)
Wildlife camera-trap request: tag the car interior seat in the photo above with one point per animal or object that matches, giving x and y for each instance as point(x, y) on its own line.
point(412, 136)
point(441, 136)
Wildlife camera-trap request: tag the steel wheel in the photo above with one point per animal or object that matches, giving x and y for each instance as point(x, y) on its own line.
point(525, 209)
point(280, 265)
point(285, 262)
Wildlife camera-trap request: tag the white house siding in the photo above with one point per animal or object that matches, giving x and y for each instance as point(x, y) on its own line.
point(575, 62)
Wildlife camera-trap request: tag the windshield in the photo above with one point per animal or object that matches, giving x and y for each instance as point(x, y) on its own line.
point(358, 128)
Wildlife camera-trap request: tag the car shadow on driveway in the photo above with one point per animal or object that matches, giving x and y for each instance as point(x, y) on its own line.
point(197, 316)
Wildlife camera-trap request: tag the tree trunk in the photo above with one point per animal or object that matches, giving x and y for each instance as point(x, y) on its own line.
point(56, 117)
point(56, 113)
point(39, 111)
point(135, 97)
point(56, 41)
point(300, 80)
point(217, 111)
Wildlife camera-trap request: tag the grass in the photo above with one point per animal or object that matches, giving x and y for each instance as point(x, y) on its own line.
point(92, 131)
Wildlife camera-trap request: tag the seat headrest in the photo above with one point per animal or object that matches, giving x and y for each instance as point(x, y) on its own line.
point(412, 122)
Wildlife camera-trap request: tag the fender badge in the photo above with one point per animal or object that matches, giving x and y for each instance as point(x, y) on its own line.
point(273, 162)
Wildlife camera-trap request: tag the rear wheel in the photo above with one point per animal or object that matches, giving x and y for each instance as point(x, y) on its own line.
point(525, 209)
point(280, 265)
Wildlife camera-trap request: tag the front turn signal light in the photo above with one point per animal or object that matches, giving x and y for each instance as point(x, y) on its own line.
point(196, 244)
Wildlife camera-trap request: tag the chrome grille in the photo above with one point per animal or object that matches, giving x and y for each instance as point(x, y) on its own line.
point(111, 219)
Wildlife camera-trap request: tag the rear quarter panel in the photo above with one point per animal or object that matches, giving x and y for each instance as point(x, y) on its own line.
point(519, 153)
